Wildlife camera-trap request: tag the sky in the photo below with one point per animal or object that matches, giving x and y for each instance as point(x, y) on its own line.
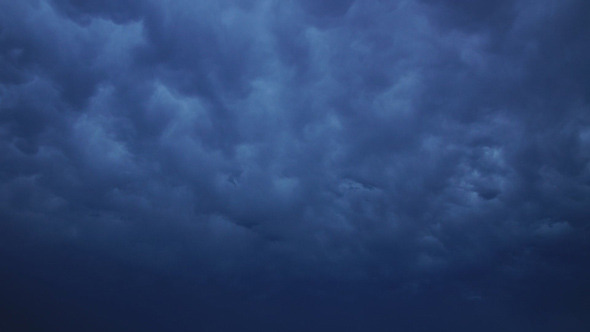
point(294, 165)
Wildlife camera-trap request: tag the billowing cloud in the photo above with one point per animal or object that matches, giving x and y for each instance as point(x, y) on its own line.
point(298, 165)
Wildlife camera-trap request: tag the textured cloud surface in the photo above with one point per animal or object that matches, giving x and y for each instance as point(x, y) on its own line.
point(262, 165)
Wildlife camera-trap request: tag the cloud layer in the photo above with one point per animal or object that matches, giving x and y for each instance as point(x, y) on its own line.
point(295, 165)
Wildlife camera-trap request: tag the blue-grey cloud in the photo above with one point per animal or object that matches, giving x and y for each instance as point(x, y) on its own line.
point(301, 165)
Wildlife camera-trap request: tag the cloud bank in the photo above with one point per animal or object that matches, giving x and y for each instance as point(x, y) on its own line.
point(294, 165)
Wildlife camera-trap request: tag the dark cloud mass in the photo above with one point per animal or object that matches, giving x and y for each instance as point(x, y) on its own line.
point(245, 165)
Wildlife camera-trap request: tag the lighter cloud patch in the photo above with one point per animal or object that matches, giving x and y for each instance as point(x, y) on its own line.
point(553, 230)
point(429, 263)
point(470, 49)
point(432, 243)
point(321, 48)
point(285, 187)
point(118, 43)
point(399, 99)
point(93, 131)
point(99, 145)
point(188, 113)
point(112, 42)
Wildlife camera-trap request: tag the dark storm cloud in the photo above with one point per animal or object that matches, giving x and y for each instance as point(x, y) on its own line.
point(303, 165)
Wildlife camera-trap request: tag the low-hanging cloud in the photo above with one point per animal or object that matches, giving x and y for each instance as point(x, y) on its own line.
point(242, 160)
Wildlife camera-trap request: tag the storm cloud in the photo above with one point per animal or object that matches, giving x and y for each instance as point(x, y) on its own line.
point(262, 165)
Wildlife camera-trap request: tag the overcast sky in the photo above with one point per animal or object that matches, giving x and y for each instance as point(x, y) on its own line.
point(294, 165)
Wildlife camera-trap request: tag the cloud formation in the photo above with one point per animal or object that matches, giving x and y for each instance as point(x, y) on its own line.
point(298, 165)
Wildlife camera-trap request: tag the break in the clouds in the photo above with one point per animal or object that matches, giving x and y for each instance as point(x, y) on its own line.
point(302, 165)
